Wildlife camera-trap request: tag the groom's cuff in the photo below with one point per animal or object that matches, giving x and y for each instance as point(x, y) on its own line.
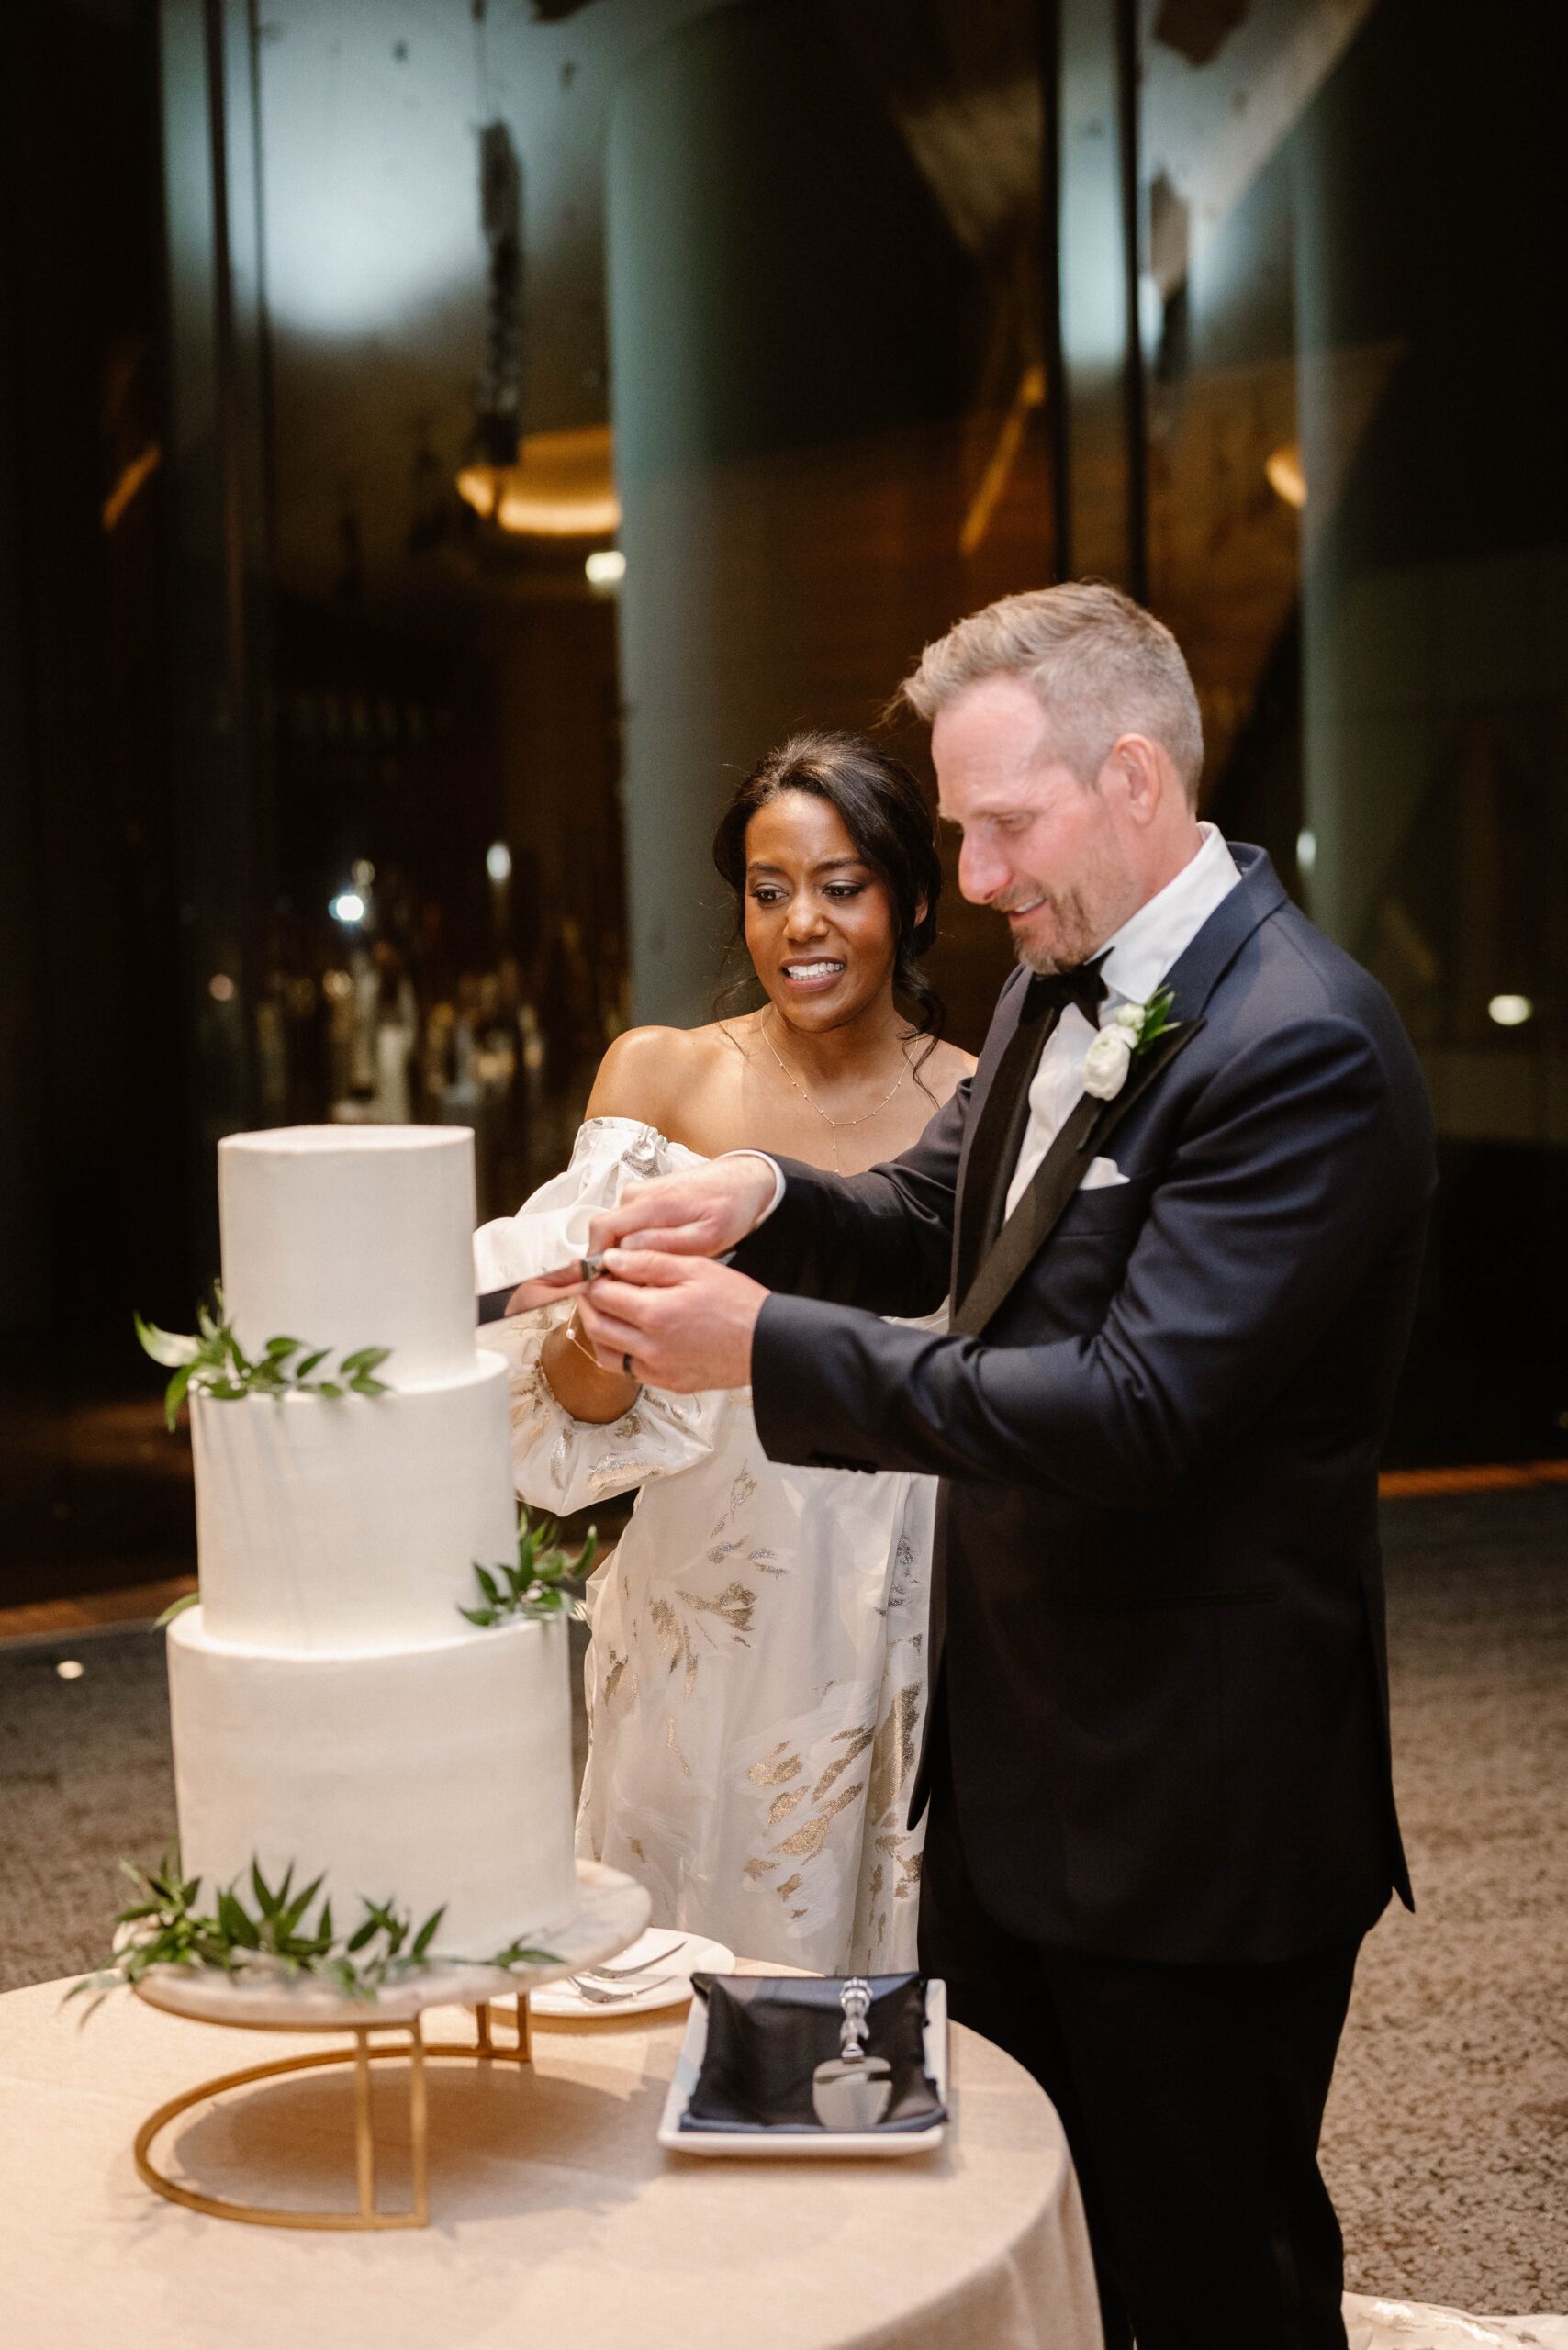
point(778, 1181)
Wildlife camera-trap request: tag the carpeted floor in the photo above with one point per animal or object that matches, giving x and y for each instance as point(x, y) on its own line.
point(1447, 2137)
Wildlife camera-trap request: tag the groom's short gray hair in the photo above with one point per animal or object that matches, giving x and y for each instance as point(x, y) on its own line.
point(1097, 663)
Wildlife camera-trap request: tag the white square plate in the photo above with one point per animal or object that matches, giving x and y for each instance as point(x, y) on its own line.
point(757, 2144)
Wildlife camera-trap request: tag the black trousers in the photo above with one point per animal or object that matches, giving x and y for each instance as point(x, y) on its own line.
point(1192, 2097)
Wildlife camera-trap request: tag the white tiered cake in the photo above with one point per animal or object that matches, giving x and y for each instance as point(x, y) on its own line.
point(332, 1708)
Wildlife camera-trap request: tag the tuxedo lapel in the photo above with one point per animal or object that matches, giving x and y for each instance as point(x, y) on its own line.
point(1089, 1125)
point(999, 1135)
point(1002, 1117)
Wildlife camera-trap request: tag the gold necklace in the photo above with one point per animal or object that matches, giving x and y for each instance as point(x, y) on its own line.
point(832, 1124)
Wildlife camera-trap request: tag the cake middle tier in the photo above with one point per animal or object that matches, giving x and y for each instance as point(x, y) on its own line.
point(437, 1776)
point(351, 1523)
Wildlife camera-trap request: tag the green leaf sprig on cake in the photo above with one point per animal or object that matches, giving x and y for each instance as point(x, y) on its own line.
point(214, 1363)
point(545, 1581)
point(277, 1936)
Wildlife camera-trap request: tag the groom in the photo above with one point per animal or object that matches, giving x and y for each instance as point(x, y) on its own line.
point(1179, 1211)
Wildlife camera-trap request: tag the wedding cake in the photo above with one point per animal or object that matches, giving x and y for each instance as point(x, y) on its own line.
point(332, 1708)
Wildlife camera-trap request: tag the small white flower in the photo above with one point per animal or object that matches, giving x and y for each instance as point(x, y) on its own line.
point(1108, 1062)
point(1131, 1016)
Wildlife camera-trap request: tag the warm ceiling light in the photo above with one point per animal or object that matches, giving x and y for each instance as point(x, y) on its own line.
point(69, 1669)
point(130, 480)
point(1286, 478)
point(561, 486)
point(1510, 1010)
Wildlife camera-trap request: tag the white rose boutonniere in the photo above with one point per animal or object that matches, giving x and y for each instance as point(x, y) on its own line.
point(1117, 1046)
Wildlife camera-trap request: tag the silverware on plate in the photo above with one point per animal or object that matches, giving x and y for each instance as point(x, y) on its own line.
point(605, 1995)
point(655, 1958)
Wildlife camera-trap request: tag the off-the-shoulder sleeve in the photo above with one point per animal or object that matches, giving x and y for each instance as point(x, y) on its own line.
point(552, 1227)
point(560, 1464)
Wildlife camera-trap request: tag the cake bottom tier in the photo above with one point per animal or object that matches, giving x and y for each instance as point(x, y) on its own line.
point(429, 1777)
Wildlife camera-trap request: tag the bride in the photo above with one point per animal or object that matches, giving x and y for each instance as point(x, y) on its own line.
point(755, 1678)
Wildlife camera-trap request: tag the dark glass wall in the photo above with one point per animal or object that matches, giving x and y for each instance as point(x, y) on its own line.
point(1337, 431)
point(438, 456)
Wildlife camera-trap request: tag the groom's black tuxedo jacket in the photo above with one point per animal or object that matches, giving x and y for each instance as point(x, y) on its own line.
point(1157, 1609)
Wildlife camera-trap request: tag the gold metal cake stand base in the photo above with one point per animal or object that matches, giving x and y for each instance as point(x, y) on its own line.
point(406, 2040)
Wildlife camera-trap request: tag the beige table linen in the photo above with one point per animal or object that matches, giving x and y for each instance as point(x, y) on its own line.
point(557, 2220)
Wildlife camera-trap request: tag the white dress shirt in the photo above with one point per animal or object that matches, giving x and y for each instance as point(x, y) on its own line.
point(1137, 961)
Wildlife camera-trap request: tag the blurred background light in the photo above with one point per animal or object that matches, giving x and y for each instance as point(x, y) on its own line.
point(562, 486)
point(498, 861)
point(1286, 478)
point(1510, 1010)
point(221, 988)
point(347, 906)
point(1306, 849)
point(606, 567)
point(69, 1669)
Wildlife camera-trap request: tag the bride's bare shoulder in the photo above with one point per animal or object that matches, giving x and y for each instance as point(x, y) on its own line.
point(945, 1069)
point(649, 1074)
point(640, 1076)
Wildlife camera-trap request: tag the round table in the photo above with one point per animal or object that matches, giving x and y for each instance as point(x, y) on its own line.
point(557, 2220)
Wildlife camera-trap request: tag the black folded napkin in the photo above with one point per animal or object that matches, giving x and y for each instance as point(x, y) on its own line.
point(767, 2035)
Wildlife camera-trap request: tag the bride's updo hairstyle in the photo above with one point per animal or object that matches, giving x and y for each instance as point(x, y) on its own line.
point(884, 811)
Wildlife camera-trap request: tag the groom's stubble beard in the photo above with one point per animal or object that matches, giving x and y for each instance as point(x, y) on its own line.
point(1074, 922)
point(1071, 938)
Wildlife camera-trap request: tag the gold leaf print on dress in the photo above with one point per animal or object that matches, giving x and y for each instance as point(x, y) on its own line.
point(635, 1843)
point(735, 1604)
point(791, 1884)
point(772, 1773)
point(892, 1757)
point(742, 1488)
point(909, 1875)
point(755, 1871)
point(674, 1744)
point(853, 1741)
point(808, 1841)
point(665, 1624)
point(613, 1678)
point(782, 1805)
point(876, 1884)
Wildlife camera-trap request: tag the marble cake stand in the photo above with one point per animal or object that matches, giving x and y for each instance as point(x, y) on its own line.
point(612, 1911)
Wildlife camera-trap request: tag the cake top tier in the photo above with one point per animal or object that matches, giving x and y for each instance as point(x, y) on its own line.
point(350, 1237)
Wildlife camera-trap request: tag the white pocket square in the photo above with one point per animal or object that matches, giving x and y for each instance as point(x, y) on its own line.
point(1103, 1172)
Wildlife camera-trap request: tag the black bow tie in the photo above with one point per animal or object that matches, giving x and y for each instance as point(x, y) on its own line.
point(1054, 991)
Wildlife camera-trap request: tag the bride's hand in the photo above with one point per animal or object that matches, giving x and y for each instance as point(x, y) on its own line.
point(673, 1322)
point(700, 1214)
point(546, 1288)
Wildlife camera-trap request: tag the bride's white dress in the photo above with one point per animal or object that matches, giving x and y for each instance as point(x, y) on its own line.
point(756, 1682)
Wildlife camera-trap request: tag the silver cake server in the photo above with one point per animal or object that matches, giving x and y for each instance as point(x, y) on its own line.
point(852, 2090)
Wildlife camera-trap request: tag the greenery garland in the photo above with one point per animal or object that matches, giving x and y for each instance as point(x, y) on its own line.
point(214, 1363)
point(541, 1585)
point(164, 1927)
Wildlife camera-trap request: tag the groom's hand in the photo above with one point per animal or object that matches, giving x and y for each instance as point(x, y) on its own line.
point(701, 1214)
point(686, 1323)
